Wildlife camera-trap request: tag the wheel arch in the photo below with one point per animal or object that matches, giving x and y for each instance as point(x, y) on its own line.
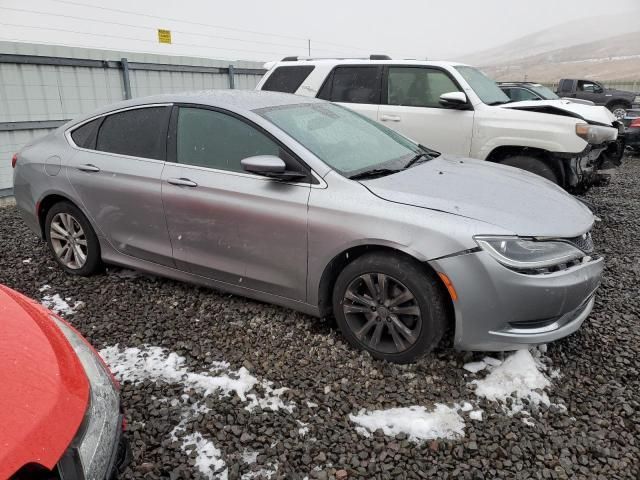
point(502, 152)
point(619, 101)
point(44, 205)
point(344, 258)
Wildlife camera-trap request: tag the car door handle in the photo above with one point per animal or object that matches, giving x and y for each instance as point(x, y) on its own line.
point(390, 118)
point(88, 168)
point(182, 182)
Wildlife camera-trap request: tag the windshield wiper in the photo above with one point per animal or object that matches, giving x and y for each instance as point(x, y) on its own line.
point(376, 172)
point(416, 159)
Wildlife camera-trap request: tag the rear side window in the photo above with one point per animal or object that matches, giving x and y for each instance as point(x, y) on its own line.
point(287, 79)
point(521, 95)
point(85, 136)
point(353, 85)
point(207, 138)
point(566, 85)
point(141, 132)
point(418, 87)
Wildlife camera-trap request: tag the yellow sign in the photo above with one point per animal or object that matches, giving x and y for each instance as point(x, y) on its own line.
point(164, 36)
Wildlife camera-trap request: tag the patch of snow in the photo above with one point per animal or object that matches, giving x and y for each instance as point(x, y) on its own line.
point(476, 415)
point(59, 305)
point(304, 428)
point(466, 407)
point(44, 287)
point(519, 374)
point(475, 367)
point(157, 364)
point(417, 422)
point(312, 405)
point(26, 261)
point(249, 457)
point(268, 472)
point(493, 362)
point(528, 422)
point(208, 458)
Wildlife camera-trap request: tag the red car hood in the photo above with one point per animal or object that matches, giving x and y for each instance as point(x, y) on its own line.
point(44, 390)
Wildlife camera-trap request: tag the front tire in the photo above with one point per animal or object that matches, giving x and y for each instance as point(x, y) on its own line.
point(390, 306)
point(533, 165)
point(72, 240)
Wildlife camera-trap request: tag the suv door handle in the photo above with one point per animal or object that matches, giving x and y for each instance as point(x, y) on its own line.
point(182, 182)
point(390, 118)
point(88, 168)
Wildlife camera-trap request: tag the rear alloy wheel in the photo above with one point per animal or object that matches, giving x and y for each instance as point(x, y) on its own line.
point(390, 306)
point(72, 240)
point(533, 165)
point(619, 110)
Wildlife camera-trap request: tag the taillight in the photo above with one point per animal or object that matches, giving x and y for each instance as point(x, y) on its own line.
point(635, 123)
point(14, 160)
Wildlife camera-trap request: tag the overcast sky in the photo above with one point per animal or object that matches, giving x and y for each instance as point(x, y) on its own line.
point(437, 29)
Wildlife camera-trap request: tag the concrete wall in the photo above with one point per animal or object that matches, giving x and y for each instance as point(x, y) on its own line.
point(31, 92)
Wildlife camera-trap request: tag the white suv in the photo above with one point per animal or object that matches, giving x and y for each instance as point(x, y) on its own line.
point(456, 109)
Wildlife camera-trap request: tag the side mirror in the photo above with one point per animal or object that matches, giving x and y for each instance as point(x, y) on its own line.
point(269, 166)
point(453, 100)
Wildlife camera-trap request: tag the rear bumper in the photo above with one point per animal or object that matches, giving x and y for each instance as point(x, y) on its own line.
point(500, 309)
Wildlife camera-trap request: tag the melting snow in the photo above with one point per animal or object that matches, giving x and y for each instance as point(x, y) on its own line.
point(208, 458)
point(59, 305)
point(417, 422)
point(476, 415)
point(270, 471)
point(519, 374)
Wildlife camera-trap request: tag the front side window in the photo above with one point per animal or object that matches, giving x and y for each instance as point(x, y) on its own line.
point(353, 85)
point(589, 87)
point(522, 95)
point(207, 138)
point(418, 87)
point(346, 141)
point(141, 132)
point(287, 79)
point(486, 89)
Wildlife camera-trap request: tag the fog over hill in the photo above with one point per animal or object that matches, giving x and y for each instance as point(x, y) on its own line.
point(605, 48)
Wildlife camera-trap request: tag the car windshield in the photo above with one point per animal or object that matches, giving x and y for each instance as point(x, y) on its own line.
point(346, 141)
point(544, 92)
point(485, 88)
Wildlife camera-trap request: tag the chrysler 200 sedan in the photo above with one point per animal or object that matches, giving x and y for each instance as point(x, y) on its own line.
point(305, 204)
point(60, 413)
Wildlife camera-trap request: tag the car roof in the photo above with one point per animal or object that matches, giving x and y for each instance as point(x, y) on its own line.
point(238, 101)
point(366, 61)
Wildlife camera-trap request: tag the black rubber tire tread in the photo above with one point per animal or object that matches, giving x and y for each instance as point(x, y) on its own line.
point(534, 165)
point(425, 286)
point(94, 260)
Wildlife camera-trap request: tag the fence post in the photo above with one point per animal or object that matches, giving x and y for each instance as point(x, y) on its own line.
point(232, 81)
point(125, 78)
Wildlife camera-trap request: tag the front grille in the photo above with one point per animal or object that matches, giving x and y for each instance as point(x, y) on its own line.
point(583, 242)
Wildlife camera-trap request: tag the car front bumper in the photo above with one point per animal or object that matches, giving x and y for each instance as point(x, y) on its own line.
point(499, 309)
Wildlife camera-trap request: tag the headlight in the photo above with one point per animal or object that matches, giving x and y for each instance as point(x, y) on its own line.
point(523, 254)
point(91, 452)
point(595, 134)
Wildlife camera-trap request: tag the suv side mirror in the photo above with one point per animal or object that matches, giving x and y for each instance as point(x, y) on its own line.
point(453, 100)
point(269, 166)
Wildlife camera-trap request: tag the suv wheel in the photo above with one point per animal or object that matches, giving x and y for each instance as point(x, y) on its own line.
point(533, 165)
point(71, 239)
point(390, 306)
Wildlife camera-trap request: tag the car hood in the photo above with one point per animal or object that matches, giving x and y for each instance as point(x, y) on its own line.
point(44, 390)
point(510, 198)
point(589, 113)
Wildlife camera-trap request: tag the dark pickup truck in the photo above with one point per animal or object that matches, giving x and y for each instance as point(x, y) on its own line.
point(618, 101)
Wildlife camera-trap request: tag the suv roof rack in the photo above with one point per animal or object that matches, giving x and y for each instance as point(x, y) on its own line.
point(370, 57)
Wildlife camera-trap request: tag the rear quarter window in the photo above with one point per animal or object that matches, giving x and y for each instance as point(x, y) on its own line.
point(287, 79)
point(85, 135)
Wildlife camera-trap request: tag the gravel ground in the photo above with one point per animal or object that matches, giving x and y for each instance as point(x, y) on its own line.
point(597, 435)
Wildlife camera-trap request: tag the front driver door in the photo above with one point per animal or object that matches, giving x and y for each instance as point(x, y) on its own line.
point(241, 229)
point(412, 107)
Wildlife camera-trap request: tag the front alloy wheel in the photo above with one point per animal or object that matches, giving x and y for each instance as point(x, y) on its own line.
point(382, 312)
point(390, 305)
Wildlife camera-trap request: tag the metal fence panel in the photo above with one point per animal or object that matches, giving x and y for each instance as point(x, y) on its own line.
point(48, 82)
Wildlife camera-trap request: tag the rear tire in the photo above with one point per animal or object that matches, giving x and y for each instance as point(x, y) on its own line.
point(71, 239)
point(533, 165)
point(390, 306)
point(619, 110)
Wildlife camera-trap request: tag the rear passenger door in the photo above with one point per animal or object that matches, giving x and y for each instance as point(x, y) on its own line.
point(358, 87)
point(116, 173)
point(411, 105)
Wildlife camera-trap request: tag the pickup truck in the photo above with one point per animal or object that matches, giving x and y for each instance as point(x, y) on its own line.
point(618, 101)
point(455, 109)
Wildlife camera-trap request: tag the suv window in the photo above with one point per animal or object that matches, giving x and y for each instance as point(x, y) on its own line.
point(85, 136)
point(417, 86)
point(208, 138)
point(287, 79)
point(353, 85)
point(141, 132)
point(566, 85)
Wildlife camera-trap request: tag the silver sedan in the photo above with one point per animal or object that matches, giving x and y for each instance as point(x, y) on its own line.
point(305, 204)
